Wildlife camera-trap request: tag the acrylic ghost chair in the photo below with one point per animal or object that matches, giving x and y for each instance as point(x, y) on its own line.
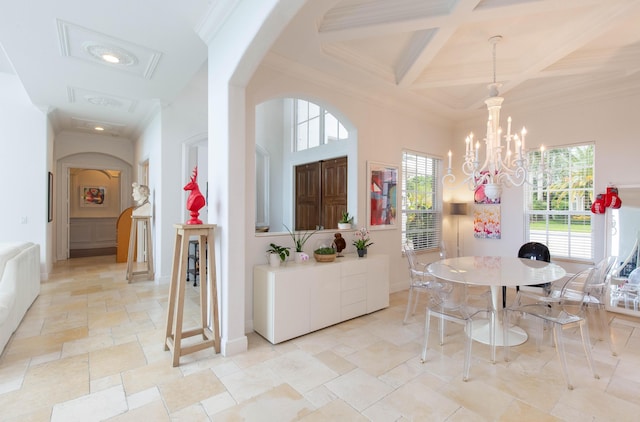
point(628, 292)
point(561, 308)
point(452, 302)
point(419, 278)
point(596, 295)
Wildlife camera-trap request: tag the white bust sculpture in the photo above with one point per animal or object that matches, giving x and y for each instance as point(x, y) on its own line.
point(141, 196)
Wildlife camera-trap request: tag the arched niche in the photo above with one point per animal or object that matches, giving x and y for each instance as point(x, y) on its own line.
point(275, 161)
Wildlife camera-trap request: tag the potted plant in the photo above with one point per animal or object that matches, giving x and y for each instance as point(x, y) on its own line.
point(346, 221)
point(299, 239)
point(325, 254)
point(277, 254)
point(362, 241)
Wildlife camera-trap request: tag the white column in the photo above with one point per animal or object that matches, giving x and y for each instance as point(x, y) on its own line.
point(238, 35)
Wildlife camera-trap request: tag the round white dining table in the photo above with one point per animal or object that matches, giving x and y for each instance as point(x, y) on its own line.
point(496, 271)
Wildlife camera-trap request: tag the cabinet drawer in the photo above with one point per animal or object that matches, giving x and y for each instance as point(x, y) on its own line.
point(354, 295)
point(354, 282)
point(353, 310)
point(350, 268)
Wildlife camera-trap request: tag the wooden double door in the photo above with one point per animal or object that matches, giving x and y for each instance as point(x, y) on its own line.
point(321, 193)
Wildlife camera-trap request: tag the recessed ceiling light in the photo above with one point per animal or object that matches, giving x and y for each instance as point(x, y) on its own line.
point(103, 101)
point(110, 58)
point(99, 128)
point(110, 54)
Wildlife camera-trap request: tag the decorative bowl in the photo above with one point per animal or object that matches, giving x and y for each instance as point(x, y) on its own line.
point(325, 258)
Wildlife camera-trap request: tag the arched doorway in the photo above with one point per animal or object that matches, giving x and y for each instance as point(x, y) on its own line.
point(65, 196)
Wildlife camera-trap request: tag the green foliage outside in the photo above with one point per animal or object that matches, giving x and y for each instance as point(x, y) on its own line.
point(420, 226)
point(567, 193)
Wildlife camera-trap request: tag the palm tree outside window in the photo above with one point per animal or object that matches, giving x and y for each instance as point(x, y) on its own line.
point(558, 201)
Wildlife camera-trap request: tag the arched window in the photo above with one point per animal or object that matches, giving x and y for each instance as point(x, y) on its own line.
point(315, 126)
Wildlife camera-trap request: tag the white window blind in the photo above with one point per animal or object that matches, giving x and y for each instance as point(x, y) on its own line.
point(558, 205)
point(421, 201)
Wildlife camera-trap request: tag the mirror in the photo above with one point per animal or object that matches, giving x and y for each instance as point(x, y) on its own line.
point(624, 235)
point(286, 137)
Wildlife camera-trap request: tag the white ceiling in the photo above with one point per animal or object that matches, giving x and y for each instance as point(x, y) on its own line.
point(430, 54)
point(48, 43)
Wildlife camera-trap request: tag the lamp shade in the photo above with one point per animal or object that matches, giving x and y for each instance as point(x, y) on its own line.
point(458, 208)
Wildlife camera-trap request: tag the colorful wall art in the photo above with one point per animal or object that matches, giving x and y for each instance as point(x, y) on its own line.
point(382, 181)
point(486, 221)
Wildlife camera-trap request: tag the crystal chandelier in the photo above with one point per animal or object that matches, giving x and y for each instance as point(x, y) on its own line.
point(505, 163)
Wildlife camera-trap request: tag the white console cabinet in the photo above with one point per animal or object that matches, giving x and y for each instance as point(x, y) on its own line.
point(296, 299)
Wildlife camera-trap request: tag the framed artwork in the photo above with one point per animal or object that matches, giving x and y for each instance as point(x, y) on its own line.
point(93, 196)
point(50, 197)
point(486, 221)
point(382, 183)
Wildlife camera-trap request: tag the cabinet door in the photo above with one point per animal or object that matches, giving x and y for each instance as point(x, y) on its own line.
point(377, 283)
point(324, 295)
point(290, 305)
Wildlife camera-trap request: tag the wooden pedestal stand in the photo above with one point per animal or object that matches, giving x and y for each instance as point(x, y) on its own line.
point(148, 273)
point(208, 292)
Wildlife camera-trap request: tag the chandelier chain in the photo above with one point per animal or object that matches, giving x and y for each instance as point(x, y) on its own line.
point(494, 62)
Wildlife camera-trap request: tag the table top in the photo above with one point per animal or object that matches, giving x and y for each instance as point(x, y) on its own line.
point(496, 270)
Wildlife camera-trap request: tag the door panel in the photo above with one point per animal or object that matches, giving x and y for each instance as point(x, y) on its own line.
point(334, 191)
point(308, 193)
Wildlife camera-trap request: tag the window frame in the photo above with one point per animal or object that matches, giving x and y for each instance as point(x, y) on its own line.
point(435, 229)
point(573, 201)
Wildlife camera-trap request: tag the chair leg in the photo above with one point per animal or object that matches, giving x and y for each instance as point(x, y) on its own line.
point(492, 335)
point(584, 332)
point(505, 333)
point(410, 305)
point(606, 328)
point(427, 322)
point(557, 335)
point(467, 350)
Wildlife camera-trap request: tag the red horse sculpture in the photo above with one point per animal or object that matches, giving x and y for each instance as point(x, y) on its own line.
point(196, 200)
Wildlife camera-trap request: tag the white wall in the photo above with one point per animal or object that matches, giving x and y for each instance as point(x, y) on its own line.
point(24, 165)
point(164, 144)
point(383, 133)
point(109, 180)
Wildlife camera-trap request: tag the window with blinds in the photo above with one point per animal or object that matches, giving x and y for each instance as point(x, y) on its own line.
point(421, 201)
point(558, 201)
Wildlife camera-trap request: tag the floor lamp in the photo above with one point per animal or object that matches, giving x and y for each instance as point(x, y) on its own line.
point(458, 209)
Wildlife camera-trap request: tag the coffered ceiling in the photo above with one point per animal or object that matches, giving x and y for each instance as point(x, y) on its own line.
point(432, 55)
point(436, 53)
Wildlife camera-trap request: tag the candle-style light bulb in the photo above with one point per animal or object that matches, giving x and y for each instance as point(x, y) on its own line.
point(449, 159)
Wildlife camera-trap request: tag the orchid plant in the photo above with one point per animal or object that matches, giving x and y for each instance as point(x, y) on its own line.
point(361, 240)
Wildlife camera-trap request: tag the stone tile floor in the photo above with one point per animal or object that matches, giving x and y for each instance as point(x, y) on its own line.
point(91, 349)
